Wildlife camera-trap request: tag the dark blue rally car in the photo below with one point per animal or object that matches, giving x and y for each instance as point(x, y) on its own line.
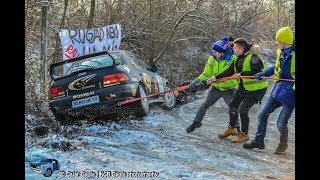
point(93, 85)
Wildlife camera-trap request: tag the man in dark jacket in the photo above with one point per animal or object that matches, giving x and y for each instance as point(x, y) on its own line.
point(250, 91)
point(283, 92)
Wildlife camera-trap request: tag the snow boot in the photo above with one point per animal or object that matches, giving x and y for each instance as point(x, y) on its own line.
point(228, 132)
point(241, 137)
point(253, 144)
point(193, 126)
point(283, 144)
point(282, 147)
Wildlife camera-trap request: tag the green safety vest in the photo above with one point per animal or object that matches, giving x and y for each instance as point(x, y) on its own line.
point(214, 67)
point(277, 68)
point(248, 83)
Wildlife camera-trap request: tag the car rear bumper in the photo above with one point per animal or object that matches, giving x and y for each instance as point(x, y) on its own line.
point(109, 97)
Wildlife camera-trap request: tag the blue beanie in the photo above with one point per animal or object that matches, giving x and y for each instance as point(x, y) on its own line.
point(225, 38)
point(220, 46)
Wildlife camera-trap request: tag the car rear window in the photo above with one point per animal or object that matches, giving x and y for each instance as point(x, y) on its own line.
point(91, 63)
point(83, 65)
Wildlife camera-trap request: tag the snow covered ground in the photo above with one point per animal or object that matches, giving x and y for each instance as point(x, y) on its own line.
point(159, 146)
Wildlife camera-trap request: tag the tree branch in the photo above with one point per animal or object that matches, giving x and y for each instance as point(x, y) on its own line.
point(156, 59)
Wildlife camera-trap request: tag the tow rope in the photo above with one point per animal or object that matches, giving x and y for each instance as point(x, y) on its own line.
point(270, 78)
point(127, 101)
point(137, 99)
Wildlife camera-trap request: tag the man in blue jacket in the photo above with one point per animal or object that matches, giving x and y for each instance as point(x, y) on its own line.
point(283, 92)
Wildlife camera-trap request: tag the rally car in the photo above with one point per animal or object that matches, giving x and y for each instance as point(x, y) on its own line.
point(45, 166)
point(93, 85)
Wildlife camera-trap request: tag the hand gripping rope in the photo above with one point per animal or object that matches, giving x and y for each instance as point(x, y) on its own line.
point(186, 87)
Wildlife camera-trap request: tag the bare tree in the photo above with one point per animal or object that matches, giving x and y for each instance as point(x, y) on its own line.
point(174, 34)
point(91, 15)
point(57, 40)
point(43, 59)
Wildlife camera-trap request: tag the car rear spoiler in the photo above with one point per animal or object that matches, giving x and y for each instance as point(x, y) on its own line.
point(52, 66)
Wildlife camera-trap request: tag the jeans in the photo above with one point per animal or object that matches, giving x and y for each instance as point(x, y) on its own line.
point(241, 104)
point(214, 95)
point(282, 122)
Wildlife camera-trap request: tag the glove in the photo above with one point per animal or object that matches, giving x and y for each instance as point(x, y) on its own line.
point(258, 75)
point(203, 82)
point(192, 85)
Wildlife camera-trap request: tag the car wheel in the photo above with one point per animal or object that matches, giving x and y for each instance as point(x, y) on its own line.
point(143, 104)
point(48, 172)
point(169, 99)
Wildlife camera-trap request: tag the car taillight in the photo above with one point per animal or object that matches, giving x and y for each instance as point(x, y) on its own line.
point(114, 79)
point(56, 92)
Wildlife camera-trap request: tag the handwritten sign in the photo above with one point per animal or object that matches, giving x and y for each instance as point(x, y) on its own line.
point(80, 42)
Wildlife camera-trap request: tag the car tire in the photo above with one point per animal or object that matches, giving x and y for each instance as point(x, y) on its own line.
point(48, 172)
point(143, 104)
point(169, 99)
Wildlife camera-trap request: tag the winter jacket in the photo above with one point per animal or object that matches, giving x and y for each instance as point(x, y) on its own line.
point(283, 90)
point(215, 66)
point(256, 66)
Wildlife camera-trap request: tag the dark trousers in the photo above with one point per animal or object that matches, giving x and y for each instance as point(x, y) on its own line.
point(241, 104)
point(213, 96)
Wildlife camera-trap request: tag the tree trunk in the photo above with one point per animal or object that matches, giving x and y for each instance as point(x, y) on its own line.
point(44, 23)
point(56, 49)
point(91, 14)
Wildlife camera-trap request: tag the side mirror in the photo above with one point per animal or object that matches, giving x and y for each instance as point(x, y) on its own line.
point(154, 68)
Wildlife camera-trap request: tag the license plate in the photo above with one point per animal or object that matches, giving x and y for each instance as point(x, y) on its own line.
point(86, 101)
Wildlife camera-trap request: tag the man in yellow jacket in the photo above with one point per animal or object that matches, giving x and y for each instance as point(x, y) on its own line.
point(250, 91)
point(282, 94)
point(217, 63)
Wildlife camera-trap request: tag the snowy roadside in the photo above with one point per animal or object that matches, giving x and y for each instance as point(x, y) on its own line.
point(160, 145)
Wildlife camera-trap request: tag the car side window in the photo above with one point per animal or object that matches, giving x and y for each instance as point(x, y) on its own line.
point(136, 62)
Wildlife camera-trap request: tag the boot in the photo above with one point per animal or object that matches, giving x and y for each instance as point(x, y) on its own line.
point(193, 126)
point(253, 144)
point(228, 132)
point(241, 137)
point(282, 147)
point(283, 144)
point(238, 130)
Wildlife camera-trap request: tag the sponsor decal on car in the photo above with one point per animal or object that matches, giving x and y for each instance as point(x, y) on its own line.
point(81, 83)
point(133, 90)
point(160, 83)
point(111, 96)
point(156, 87)
point(134, 79)
point(78, 96)
point(147, 81)
point(126, 68)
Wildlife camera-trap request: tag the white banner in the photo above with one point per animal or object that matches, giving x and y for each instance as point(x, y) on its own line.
point(80, 42)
